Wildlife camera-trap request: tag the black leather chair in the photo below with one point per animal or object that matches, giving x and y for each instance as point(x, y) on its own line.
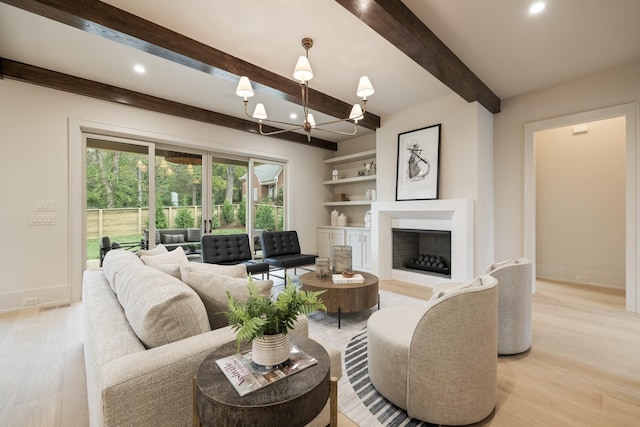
point(231, 249)
point(282, 249)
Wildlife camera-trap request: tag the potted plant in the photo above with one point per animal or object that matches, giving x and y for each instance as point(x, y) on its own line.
point(266, 322)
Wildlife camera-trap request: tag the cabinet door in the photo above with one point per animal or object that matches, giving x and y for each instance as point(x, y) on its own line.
point(366, 250)
point(354, 239)
point(328, 237)
point(360, 242)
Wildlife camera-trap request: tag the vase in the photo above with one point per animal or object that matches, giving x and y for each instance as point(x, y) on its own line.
point(334, 218)
point(342, 220)
point(270, 350)
point(341, 256)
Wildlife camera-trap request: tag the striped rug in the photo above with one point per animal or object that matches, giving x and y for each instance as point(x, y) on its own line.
point(357, 399)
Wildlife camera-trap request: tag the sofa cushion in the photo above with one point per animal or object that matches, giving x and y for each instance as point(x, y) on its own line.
point(114, 261)
point(160, 308)
point(193, 235)
point(168, 262)
point(235, 270)
point(158, 250)
point(212, 289)
point(172, 238)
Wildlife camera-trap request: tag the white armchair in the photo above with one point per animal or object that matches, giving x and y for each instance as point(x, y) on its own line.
point(438, 361)
point(514, 304)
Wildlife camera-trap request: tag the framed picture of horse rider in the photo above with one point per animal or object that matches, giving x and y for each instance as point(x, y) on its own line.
point(418, 164)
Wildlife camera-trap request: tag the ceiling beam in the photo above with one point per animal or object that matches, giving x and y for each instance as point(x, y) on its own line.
point(30, 74)
point(396, 23)
point(117, 25)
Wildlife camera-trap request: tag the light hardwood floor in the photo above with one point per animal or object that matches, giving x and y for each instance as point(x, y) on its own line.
point(583, 368)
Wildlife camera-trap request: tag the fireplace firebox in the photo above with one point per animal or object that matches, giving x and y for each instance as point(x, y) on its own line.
point(422, 251)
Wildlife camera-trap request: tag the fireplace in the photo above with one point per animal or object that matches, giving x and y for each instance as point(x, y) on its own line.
point(452, 218)
point(422, 251)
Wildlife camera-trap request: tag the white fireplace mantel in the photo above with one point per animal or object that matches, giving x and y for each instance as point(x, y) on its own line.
point(455, 215)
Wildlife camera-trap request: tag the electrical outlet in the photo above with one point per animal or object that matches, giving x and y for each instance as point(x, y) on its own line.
point(582, 279)
point(30, 301)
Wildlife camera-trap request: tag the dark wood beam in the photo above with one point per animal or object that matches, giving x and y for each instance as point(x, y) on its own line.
point(51, 79)
point(396, 23)
point(115, 24)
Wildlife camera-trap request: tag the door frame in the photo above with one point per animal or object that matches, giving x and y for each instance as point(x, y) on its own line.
point(632, 215)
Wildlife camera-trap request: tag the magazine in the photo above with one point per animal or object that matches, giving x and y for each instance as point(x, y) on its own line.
point(339, 279)
point(246, 376)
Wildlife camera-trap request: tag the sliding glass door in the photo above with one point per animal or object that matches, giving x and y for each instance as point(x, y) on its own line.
point(142, 194)
point(267, 194)
point(178, 202)
point(228, 205)
point(117, 195)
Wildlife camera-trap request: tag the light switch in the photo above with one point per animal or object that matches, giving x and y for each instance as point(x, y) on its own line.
point(48, 219)
point(45, 205)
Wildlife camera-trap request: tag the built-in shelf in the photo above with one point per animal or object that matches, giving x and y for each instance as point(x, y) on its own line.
point(349, 203)
point(351, 157)
point(350, 180)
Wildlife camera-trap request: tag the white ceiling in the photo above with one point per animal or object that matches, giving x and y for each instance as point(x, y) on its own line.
point(510, 51)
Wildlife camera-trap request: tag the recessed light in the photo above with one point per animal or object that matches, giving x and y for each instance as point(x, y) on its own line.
point(293, 116)
point(537, 7)
point(139, 69)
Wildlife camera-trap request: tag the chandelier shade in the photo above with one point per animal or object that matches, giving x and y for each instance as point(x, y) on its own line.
point(244, 88)
point(303, 73)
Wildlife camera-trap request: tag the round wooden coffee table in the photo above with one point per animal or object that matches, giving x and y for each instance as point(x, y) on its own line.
point(344, 298)
point(291, 401)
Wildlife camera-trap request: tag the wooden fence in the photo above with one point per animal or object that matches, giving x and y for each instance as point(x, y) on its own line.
point(132, 221)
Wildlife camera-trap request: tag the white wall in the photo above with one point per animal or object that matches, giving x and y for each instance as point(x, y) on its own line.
point(466, 153)
point(580, 203)
point(613, 87)
point(35, 128)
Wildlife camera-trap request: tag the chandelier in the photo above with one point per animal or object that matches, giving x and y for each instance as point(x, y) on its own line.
point(303, 73)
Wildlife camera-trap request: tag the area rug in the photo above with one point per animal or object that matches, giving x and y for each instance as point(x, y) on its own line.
point(357, 399)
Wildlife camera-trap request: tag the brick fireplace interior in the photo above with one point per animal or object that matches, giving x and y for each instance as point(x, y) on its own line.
point(422, 251)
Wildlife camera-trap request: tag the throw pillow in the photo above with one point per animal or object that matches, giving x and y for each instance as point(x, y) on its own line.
point(193, 235)
point(114, 261)
point(160, 308)
point(237, 270)
point(168, 262)
point(158, 250)
point(213, 288)
point(173, 238)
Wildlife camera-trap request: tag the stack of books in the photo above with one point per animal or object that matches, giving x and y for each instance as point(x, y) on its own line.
point(339, 279)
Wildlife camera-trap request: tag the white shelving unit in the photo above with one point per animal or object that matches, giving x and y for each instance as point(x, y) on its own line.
point(349, 182)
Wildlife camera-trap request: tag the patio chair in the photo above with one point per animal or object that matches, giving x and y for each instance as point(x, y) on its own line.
point(231, 249)
point(281, 249)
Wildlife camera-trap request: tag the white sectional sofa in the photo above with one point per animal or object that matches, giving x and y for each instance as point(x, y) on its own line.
point(145, 334)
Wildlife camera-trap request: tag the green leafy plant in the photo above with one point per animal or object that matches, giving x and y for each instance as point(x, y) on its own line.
point(260, 315)
point(242, 212)
point(184, 218)
point(227, 212)
point(265, 220)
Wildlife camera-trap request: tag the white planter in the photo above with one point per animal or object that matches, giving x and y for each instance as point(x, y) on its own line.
point(270, 350)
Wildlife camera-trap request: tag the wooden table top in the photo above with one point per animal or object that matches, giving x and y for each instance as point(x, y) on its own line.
point(343, 298)
point(291, 401)
point(327, 283)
